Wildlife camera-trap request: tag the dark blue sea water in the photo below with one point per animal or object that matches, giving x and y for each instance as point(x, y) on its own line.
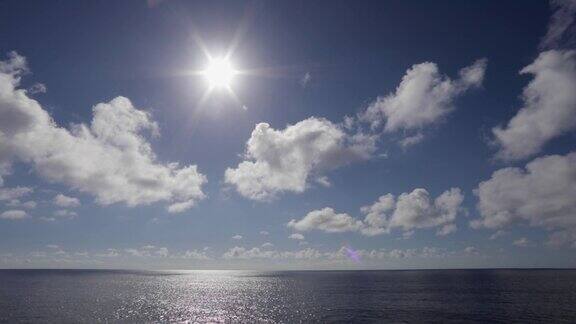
point(62, 296)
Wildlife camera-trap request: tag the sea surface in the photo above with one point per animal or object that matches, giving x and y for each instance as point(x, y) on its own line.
point(64, 296)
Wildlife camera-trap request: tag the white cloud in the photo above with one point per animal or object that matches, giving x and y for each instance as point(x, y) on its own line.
point(470, 250)
point(447, 229)
point(64, 213)
point(408, 234)
point(181, 206)
point(195, 255)
point(14, 214)
point(37, 88)
point(110, 158)
point(239, 252)
point(29, 204)
point(304, 254)
point(296, 236)
point(411, 140)
point(413, 210)
point(324, 181)
point(497, 234)
point(264, 233)
point(137, 252)
point(376, 219)
point(410, 211)
point(267, 245)
point(326, 220)
point(521, 242)
point(16, 203)
point(306, 78)
point(344, 254)
point(109, 253)
point(284, 160)
point(38, 254)
point(13, 193)
point(549, 108)
point(542, 194)
point(562, 20)
point(309, 256)
point(163, 252)
point(237, 237)
point(563, 237)
point(66, 202)
point(150, 251)
point(424, 97)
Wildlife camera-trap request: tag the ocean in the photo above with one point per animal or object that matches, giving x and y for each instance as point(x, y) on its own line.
point(410, 296)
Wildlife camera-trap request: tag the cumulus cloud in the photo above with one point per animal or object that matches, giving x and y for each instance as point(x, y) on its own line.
point(447, 229)
point(345, 254)
point(13, 214)
point(137, 252)
point(195, 255)
point(163, 252)
point(521, 242)
point(285, 160)
point(10, 194)
point(267, 245)
point(150, 251)
point(424, 97)
point(563, 237)
point(549, 108)
point(296, 236)
point(412, 211)
point(66, 202)
point(59, 256)
point(110, 158)
point(326, 220)
point(181, 206)
point(12, 197)
point(542, 195)
point(237, 237)
point(37, 88)
point(408, 212)
point(497, 234)
point(109, 253)
point(28, 204)
point(64, 213)
point(562, 21)
point(239, 252)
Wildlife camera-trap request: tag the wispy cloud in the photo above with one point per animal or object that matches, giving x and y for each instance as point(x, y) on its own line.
point(561, 24)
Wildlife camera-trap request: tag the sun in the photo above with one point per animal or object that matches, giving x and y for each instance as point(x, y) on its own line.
point(219, 73)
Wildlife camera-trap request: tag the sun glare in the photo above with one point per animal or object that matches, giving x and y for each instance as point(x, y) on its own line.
point(219, 73)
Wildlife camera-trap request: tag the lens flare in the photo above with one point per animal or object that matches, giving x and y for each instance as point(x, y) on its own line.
point(352, 254)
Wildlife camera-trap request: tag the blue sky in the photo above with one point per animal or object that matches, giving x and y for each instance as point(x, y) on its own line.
point(381, 134)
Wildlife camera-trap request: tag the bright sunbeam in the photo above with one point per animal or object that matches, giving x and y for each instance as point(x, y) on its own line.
point(219, 73)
